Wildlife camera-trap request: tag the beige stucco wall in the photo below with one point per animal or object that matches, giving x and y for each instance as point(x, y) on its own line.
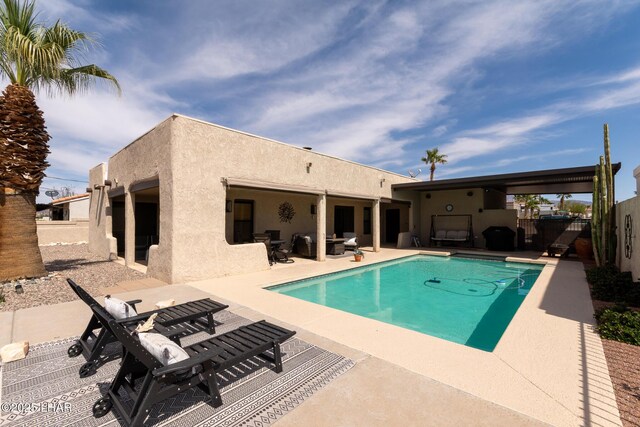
point(79, 209)
point(463, 204)
point(629, 261)
point(224, 153)
point(190, 159)
point(101, 242)
point(50, 232)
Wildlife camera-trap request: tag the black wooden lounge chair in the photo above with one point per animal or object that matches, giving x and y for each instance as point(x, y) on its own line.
point(562, 244)
point(157, 382)
point(91, 345)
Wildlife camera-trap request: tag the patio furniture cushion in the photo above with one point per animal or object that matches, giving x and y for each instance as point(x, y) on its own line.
point(351, 239)
point(441, 234)
point(462, 234)
point(162, 348)
point(451, 235)
point(118, 308)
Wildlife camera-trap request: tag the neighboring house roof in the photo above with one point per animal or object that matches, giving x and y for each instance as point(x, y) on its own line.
point(70, 198)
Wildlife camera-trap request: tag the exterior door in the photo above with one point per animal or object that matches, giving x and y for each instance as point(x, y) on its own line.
point(343, 220)
point(392, 223)
point(243, 221)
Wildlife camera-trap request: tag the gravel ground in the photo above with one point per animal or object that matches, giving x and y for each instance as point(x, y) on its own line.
point(623, 361)
point(62, 261)
point(624, 369)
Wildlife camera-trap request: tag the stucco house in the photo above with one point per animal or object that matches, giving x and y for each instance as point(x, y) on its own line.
point(192, 193)
point(71, 208)
point(186, 197)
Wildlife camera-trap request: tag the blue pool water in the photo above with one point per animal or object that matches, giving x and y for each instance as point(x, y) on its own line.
point(467, 301)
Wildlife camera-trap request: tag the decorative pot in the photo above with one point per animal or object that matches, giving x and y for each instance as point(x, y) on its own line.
point(357, 257)
point(584, 248)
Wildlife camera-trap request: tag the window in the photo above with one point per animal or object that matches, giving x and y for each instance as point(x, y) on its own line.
point(367, 220)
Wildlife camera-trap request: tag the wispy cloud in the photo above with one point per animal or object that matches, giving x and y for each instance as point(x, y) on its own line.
point(369, 81)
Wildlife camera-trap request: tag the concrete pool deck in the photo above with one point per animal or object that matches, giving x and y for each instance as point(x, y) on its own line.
point(549, 365)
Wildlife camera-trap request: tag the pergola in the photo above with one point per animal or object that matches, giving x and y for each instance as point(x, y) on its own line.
point(550, 181)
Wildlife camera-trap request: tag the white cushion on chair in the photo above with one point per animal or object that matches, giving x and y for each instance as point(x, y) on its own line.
point(118, 308)
point(162, 348)
point(351, 239)
point(441, 234)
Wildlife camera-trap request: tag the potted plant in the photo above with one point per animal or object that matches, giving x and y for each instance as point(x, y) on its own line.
point(358, 255)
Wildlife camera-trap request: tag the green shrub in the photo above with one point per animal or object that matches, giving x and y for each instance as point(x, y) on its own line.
point(608, 284)
point(623, 326)
point(633, 296)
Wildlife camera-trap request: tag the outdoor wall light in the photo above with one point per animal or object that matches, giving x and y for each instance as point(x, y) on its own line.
point(228, 206)
point(309, 164)
point(382, 180)
point(427, 196)
point(469, 193)
point(314, 209)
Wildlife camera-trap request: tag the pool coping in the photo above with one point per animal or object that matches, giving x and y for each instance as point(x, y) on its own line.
point(554, 371)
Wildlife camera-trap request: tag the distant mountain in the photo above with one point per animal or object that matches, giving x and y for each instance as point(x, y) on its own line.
point(582, 202)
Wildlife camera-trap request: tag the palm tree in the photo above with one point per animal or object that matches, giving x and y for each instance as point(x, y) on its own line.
point(432, 158)
point(33, 56)
point(563, 197)
point(531, 203)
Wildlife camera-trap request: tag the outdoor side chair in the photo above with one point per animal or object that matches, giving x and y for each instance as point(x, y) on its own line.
point(350, 240)
point(92, 344)
point(266, 239)
point(157, 382)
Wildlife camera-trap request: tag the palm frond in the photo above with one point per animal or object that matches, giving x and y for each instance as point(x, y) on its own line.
point(45, 57)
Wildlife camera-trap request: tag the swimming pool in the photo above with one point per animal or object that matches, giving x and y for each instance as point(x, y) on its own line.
point(467, 301)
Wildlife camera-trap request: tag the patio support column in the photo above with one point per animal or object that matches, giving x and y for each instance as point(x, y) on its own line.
point(321, 227)
point(129, 229)
point(375, 223)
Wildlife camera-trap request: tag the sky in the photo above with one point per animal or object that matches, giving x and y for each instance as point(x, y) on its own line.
point(497, 86)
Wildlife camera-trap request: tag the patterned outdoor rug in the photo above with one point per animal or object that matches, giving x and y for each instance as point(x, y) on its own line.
point(44, 389)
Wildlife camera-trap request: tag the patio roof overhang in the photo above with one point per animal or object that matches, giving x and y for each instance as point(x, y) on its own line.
point(292, 188)
point(551, 181)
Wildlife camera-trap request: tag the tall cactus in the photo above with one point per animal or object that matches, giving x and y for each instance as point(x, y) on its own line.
point(603, 228)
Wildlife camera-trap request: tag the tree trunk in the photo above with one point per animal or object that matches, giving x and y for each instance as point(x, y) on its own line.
point(433, 171)
point(19, 252)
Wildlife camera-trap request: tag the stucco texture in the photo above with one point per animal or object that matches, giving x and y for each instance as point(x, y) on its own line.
point(191, 160)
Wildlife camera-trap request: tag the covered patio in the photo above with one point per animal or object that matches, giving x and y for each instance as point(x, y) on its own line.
point(289, 212)
point(483, 201)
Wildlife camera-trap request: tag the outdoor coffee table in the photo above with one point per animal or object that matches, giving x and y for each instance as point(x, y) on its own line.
point(335, 246)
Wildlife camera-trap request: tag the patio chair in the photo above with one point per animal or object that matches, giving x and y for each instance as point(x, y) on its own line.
point(350, 240)
point(266, 239)
point(305, 246)
point(91, 345)
point(564, 242)
point(207, 358)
